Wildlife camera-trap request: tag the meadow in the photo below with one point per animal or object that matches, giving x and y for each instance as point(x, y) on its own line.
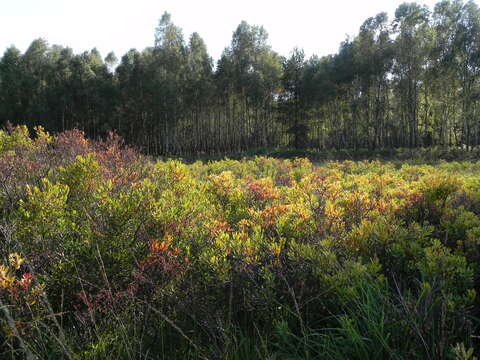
point(108, 254)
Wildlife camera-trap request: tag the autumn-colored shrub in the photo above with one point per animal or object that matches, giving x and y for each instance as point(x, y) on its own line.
point(107, 249)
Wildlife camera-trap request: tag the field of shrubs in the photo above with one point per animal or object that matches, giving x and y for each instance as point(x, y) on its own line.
point(107, 254)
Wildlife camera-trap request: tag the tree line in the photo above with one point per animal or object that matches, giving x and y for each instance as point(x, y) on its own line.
point(411, 81)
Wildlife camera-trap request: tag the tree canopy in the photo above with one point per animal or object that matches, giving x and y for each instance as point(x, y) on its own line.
point(411, 81)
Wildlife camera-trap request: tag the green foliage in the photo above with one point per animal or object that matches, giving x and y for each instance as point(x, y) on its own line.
point(407, 82)
point(18, 137)
point(111, 255)
point(43, 213)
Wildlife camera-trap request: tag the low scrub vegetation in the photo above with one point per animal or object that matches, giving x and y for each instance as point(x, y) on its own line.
point(107, 254)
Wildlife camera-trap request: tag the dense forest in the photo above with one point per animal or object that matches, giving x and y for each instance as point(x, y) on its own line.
point(411, 81)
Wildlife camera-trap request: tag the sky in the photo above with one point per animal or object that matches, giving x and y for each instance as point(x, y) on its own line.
point(317, 26)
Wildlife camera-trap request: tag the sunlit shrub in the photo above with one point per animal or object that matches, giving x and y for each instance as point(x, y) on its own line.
point(197, 254)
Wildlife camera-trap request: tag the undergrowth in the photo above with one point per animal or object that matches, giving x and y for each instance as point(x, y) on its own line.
point(109, 255)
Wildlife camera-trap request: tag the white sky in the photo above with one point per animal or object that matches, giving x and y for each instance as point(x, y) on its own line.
point(119, 25)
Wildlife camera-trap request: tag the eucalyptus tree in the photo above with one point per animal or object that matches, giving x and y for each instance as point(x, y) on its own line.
point(373, 56)
point(33, 82)
point(199, 90)
point(137, 92)
point(11, 107)
point(266, 87)
point(229, 103)
point(249, 71)
point(59, 90)
point(443, 73)
point(343, 106)
point(292, 99)
point(467, 59)
point(92, 93)
point(256, 71)
point(411, 25)
point(320, 94)
point(101, 97)
point(170, 61)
